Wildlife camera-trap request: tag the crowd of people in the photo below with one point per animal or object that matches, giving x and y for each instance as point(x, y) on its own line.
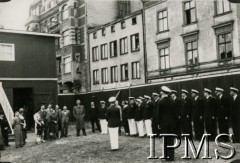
point(162, 112)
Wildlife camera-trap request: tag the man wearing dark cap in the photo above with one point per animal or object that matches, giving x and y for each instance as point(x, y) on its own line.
point(139, 117)
point(131, 115)
point(210, 113)
point(186, 112)
point(197, 114)
point(223, 108)
point(166, 119)
point(94, 117)
point(154, 116)
point(235, 113)
point(177, 110)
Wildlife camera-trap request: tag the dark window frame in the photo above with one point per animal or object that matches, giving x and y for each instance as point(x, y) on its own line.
point(96, 81)
point(106, 51)
point(225, 46)
point(194, 62)
point(164, 56)
point(134, 20)
point(103, 79)
point(125, 52)
point(163, 18)
point(114, 78)
point(93, 56)
point(115, 49)
point(138, 75)
point(126, 78)
point(136, 48)
point(188, 11)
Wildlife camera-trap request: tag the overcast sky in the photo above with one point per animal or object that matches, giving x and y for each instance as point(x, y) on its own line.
point(13, 14)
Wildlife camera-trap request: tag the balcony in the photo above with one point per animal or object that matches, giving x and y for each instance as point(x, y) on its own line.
point(32, 19)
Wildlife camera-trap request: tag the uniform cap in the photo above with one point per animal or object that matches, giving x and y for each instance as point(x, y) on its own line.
point(184, 91)
point(146, 96)
point(234, 89)
point(112, 99)
point(139, 100)
point(219, 89)
point(102, 102)
point(131, 98)
point(207, 90)
point(140, 97)
point(194, 91)
point(165, 89)
point(174, 91)
point(155, 94)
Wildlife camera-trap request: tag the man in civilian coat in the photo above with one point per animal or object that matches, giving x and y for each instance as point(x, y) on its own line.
point(147, 114)
point(4, 128)
point(177, 110)
point(130, 113)
point(79, 114)
point(223, 111)
point(186, 113)
point(94, 117)
point(166, 119)
point(197, 114)
point(65, 116)
point(210, 113)
point(155, 113)
point(235, 113)
point(113, 118)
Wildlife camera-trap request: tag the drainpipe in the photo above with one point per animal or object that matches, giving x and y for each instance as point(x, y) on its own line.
point(144, 41)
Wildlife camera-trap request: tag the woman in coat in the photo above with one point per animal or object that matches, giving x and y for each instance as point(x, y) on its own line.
point(17, 127)
point(79, 114)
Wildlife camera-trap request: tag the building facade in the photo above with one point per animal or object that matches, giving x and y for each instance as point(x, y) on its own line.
point(191, 39)
point(117, 54)
point(27, 71)
point(72, 19)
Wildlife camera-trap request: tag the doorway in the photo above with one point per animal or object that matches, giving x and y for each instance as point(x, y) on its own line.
point(23, 98)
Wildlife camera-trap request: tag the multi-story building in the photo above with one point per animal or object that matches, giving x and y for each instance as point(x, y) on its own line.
point(192, 39)
point(72, 19)
point(117, 54)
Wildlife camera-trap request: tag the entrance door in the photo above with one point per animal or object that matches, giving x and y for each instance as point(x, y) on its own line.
point(23, 98)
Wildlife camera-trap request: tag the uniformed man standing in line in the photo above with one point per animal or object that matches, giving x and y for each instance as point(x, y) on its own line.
point(235, 113)
point(131, 115)
point(186, 113)
point(154, 116)
point(102, 116)
point(197, 114)
point(147, 114)
point(223, 111)
point(113, 118)
point(139, 117)
point(166, 119)
point(210, 113)
point(177, 110)
point(125, 107)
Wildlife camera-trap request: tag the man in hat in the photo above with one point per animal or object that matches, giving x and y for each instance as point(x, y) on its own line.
point(147, 114)
point(131, 115)
point(139, 117)
point(235, 113)
point(186, 112)
point(94, 117)
point(166, 119)
point(113, 118)
point(79, 114)
point(223, 111)
point(155, 112)
point(197, 114)
point(102, 116)
point(210, 113)
point(177, 110)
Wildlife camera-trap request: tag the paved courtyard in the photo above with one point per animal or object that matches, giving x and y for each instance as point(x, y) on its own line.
point(93, 148)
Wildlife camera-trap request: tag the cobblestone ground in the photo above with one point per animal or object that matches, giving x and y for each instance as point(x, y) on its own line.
point(94, 148)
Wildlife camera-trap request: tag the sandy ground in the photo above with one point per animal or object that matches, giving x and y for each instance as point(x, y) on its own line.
point(95, 148)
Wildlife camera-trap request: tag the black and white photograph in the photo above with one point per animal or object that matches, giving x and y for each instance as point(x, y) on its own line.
point(97, 81)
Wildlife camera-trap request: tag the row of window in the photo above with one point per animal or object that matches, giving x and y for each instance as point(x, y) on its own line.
point(224, 48)
point(114, 73)
point(123, 25)
point(221, 7)
point(135, 46)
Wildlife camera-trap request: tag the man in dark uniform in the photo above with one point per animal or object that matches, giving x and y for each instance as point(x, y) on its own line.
point(147, 114)
point(197, 114)
point(130, 113)
point(4, 128)
point(102, 117)
point(223, 108)
point(166, 119)
point(155, 113)
point(186, 111)
point(113, 118)
point(210, 113)
point(177, 110)
point(235, 113)
point(125, 107)
point(94, 117)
